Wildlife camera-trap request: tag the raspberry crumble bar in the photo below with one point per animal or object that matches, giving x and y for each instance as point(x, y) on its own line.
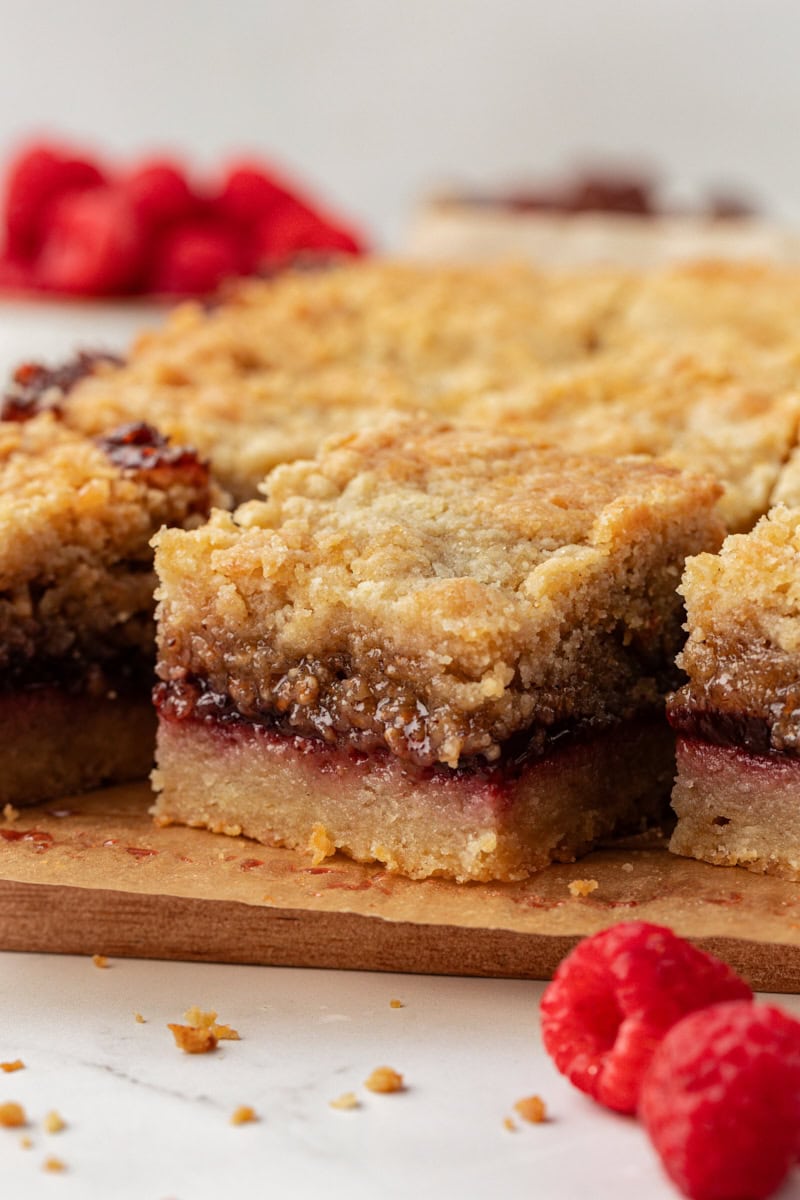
point(738, 717)
point(439, 648)
point(76, 597)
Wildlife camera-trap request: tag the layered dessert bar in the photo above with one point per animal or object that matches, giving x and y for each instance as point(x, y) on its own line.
point(738, 717)
point(436, 647)
point(76, 595)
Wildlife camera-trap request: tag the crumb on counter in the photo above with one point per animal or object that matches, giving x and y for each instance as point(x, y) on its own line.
point(346, 1101)
point(139, 1019)
point(627, 867)
point(12, 1115)
point(396, 1004)
point(243, 1115)
point(193, 1039)
point(532, 1109)
point(26, 1142)
point(385, 1079)
point(54, 1122)
point(100, 961)
point(509, 1125)
point(10, 814)
point(320, 845)
point(16, 1064)
point(582, 887)
point(54, 1164)
point(200, 1019)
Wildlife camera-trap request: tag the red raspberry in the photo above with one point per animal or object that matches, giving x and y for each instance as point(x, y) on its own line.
point(294, 228)
point(36, 178)
point(721, 1101)
point(159, 193)
point(249, 192)
point(93, 246)
point(194, 259)
point(614, 997)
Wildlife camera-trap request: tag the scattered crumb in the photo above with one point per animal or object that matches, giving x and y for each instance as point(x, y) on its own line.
point(345, 1101)
point(385, 1079)
point(243, 1115)
point(54, 1164)
point(509, 1125)
point(320, 845)
point(193, 1039)
point(583, 887)
point(15, 1065)
point(10, 813)
point(531, 1108)
point(26, 1142)
point(627, 867)
point(12, 1115)
point(199, 1019)
point(54, 1122)
point(139, 1019)
point(100, 960)
point(396, 1004)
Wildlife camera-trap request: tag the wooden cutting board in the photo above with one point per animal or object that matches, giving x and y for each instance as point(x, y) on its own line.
point(94, 875)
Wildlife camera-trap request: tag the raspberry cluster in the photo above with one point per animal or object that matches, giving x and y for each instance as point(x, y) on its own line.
point(646, 1023)
point(76, 226)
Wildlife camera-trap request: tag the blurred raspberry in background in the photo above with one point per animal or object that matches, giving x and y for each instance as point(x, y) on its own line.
point(76, 226)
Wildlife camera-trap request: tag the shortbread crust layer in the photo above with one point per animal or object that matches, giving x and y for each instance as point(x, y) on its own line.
point(57, 743)
point(466, 825)
point(737, 808)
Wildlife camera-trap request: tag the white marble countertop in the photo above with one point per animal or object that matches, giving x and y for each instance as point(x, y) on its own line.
point(145, 1121)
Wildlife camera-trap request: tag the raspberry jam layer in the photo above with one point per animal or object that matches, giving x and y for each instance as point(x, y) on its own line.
point(193, 703)
point(733, 730)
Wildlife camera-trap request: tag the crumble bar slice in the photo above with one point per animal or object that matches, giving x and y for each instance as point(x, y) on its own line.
point(738, 717)
point(435, 647)
point(76, 598)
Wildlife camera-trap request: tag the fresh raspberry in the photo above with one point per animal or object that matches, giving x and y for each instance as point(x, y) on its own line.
point(295, 228)
point(159, 193)
point(194, 259)
point(93, 246)
point(721, 1101)
point(614, 997)
point(249, 193)
point(36, 178)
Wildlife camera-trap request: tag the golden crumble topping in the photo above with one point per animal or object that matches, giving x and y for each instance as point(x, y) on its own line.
point(698, 363)
point(433, 590)
point(384, 1079)
point(208, 1020)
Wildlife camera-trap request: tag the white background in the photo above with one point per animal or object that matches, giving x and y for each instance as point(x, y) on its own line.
point(375, 100)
